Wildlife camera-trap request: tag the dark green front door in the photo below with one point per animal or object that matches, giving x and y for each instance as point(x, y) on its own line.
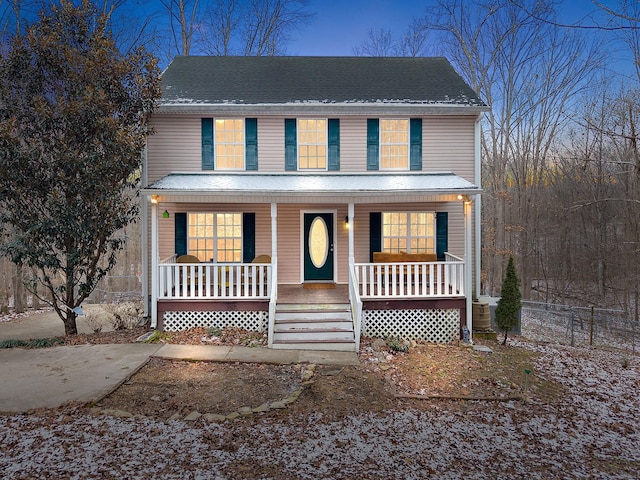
point(318, 247)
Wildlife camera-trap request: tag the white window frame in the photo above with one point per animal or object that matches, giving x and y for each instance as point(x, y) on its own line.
point(311, 144)
point(217, 143)
point(408, 236)
point(382, 144)
point(213, 257)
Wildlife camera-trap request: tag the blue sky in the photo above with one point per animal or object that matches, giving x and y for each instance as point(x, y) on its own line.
point(340, 25)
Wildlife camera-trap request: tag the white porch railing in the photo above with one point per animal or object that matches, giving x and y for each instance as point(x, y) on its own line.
point(232, 281)
point(356, 305)
point(411, 279)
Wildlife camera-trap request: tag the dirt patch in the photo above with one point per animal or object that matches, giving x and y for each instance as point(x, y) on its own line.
point(383, 380)
point(163, 388)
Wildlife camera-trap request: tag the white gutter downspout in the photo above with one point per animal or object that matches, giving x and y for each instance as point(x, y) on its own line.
point(145, 239)
point(154, 263)
point(477, 214)
point(467, 205)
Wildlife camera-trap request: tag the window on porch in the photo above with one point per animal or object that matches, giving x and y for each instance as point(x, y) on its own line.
point(410, 232)
point(215, 236)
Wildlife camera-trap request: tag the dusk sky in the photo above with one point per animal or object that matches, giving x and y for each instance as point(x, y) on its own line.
point(339, 25)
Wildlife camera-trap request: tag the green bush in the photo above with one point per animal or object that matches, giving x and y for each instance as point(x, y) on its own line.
point(397, 344)
point(12, 342)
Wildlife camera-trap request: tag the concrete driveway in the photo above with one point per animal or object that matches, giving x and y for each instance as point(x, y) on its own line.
point(50, 377)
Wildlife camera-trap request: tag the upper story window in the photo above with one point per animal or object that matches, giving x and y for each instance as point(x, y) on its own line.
point(229, 143)
point(312, 144)
point(410, 232)
point(394, 144)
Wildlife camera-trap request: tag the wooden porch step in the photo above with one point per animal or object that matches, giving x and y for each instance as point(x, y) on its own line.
point(314, 327)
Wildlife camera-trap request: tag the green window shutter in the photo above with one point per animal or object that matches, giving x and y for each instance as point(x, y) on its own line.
point(373, 144)
point(334, 144)
point(207, 144)
point(251, 143)
point(375, 233)
point(415, 144)
point(180, 220)
point(442, 228)
point(290, 145)
point(248, 237)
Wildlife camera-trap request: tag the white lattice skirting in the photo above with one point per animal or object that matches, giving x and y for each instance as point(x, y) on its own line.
point(252, 321)
point(437, 325)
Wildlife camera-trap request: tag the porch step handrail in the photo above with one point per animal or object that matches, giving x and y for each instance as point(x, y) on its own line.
point(356, 305)
point(411, 279)
point(214, 281)
point(273, 301)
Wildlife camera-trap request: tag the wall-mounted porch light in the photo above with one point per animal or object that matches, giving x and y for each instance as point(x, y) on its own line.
point(346, 222)
point(154, 199)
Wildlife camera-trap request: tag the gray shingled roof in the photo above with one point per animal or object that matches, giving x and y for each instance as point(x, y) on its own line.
point(326, 80)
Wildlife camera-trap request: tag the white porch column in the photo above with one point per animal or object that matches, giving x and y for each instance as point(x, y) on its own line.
point(351, 234)
point(155, 256)
point(274, 233)
point(467, 205)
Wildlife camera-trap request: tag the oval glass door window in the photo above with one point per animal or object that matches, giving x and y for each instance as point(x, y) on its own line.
point(318, 242)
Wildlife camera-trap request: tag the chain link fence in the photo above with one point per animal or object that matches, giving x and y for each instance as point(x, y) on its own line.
point(116, 289)
point(579, 326)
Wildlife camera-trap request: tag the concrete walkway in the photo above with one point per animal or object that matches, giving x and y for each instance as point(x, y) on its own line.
point(44, 324)
point(51, 377)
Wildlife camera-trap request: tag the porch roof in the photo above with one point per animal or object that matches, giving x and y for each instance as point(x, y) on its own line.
point(356, 187)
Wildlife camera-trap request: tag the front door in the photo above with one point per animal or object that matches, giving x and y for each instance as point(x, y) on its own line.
point(318, 247)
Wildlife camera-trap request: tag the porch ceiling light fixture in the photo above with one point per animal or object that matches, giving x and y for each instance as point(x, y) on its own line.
point(460, 197)
point(154, 199)
point(165, 214)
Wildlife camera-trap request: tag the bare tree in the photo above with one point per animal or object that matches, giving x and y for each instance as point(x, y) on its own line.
point(413, 42)
point(182, 19)
point(529, 72)
point(254, 27)
point(222, 21)
point(381, 42)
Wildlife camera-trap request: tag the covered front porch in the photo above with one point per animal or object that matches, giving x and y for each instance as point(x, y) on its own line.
point(406, 298)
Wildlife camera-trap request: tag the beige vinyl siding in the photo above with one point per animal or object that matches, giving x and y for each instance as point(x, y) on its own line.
point(176, 146)
point(448, 145)
point(271, 144)
point(353, 144)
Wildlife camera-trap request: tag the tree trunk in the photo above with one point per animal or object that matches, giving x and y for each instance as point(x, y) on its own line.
point(18, 291)
point(70, 326)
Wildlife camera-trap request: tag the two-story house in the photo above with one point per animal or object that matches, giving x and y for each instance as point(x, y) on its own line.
point(316, 198)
